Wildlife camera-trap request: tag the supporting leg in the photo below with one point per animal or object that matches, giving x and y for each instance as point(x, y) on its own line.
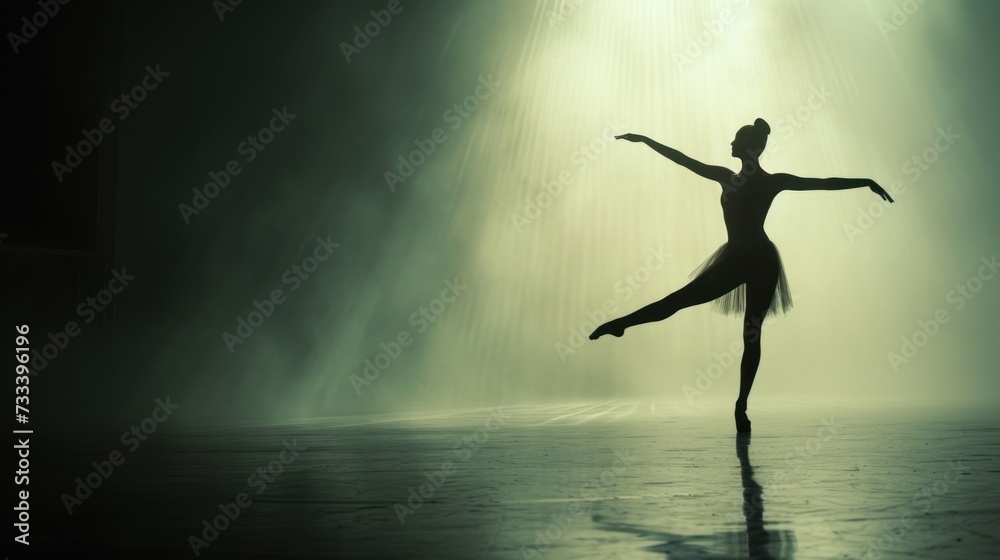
point(748, 369)
point(759, 295)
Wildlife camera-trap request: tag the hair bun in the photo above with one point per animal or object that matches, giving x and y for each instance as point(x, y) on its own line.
point(762, 126)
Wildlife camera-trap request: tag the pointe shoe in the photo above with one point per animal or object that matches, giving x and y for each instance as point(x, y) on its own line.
point(742, 422)
point(607, 328)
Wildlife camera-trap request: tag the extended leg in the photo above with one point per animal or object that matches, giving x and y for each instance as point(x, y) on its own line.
point(712, 284)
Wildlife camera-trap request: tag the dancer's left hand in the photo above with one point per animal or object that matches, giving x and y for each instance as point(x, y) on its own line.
point(877, 189)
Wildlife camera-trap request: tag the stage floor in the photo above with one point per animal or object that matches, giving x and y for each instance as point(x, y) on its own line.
point(575, 481)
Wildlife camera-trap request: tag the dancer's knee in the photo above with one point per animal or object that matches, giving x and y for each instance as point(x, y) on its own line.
point(751, 345)
point(751, 352)
point(751, 337)
point(753, 326)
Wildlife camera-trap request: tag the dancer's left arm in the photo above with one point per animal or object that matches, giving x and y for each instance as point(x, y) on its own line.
point(789, 182)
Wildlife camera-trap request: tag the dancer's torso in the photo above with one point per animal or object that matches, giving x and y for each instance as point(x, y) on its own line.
point(745, 202)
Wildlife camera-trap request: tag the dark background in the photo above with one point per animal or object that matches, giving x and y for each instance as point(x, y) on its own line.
point(119, 208)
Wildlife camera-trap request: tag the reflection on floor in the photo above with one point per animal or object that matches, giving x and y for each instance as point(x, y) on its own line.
point(585, 480)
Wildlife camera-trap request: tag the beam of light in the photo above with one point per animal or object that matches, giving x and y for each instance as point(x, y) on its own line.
point(841, 99)
point(804, 67)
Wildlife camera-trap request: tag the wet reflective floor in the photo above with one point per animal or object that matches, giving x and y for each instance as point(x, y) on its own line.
point(585, 480)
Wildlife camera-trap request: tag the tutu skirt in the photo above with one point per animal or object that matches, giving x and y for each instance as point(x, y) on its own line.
point(758, 261)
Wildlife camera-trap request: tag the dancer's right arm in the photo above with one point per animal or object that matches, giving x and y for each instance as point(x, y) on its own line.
point(712, 172)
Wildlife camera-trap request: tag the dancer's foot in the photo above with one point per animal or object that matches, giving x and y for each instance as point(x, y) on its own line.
point(611, 327)
point(742, 422)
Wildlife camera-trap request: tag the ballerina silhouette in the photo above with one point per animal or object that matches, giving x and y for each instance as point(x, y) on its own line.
point(745, 275)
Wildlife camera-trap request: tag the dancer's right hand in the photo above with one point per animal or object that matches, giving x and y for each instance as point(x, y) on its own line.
point(631, 137)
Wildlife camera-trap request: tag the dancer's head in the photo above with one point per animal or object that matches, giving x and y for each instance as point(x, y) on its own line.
point(750, 140)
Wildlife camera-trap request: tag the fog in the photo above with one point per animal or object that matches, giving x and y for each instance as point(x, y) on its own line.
point(528, 222)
